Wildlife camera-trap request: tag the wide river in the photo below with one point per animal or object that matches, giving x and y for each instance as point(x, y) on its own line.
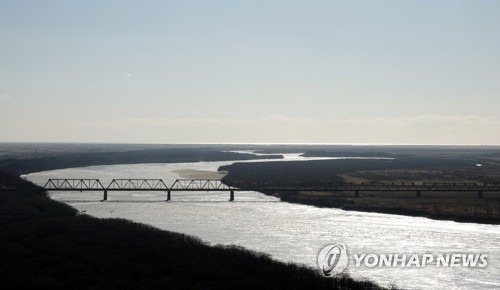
point(291, 232)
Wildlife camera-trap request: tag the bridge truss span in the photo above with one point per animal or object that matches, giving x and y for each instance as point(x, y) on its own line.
point(137, 184)
point(74, 184)
point(200, 185)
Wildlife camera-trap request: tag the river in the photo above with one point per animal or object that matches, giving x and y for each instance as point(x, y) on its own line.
point(291, 232)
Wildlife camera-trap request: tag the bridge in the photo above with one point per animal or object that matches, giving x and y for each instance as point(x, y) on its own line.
point(216, 185)
point(138, 185)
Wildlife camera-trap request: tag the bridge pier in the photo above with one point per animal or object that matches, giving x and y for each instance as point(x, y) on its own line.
point(419, 193)
point(168, 195)
point(231, 196)
point(105, 196)
point(480, 194)
point(356, 193)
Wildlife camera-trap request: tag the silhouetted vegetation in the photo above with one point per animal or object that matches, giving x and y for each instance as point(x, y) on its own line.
point(324, 171)
point(9, 180)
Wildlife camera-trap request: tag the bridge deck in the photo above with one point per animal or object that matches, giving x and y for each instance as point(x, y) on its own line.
point(217, 185)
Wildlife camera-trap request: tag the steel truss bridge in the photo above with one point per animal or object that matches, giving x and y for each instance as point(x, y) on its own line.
point(215, 185)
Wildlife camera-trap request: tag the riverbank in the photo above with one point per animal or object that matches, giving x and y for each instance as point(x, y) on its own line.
point(460, 207)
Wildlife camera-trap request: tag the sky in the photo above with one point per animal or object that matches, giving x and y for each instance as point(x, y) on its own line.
point(274, 71)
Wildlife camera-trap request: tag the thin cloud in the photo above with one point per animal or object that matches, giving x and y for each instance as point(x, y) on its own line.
point(278, 119)
point(423, 119)
point(432, 129)
point(5, 96)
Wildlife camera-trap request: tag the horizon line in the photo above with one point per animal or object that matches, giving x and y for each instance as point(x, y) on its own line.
point(246, 143)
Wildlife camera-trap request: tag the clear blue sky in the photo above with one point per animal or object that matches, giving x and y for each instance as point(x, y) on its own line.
point(421, 72)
